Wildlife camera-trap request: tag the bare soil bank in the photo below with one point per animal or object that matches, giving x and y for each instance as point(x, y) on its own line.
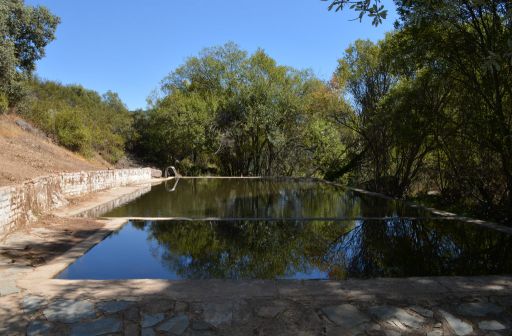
point(25, 153)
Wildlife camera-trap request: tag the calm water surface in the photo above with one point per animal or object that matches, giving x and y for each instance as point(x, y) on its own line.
point(294, 250)
point(259, 198)
point(312, 230)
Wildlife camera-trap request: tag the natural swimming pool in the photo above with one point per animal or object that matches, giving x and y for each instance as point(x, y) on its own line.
point(285, 229)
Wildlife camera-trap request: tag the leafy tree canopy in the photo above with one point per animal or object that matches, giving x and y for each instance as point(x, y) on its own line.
point(225, 111)
point(24, 33)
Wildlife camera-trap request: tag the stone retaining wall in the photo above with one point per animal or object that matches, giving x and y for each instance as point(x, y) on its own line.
point(21, 203)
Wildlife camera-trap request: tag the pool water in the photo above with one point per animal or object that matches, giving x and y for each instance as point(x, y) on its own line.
point(275, 198)
point(285, 229)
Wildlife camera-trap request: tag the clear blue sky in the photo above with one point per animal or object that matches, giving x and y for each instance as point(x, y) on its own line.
point(128, 46)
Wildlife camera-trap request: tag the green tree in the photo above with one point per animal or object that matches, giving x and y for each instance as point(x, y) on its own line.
point(365, 76)
point(79, 119)
point(25, 31)
point(175, 132)
point(469, 44)
point(446, 118)
point(228, 112)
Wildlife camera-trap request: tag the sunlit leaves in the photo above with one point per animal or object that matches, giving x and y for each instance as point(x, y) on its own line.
point(256, 113)
point(79, 119)
point(24, 33)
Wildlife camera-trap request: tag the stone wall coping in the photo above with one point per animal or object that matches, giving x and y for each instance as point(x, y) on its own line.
point(21, 204)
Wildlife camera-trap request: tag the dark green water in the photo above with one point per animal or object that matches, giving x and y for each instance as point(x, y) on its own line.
point(382, 238)
point(259, 198)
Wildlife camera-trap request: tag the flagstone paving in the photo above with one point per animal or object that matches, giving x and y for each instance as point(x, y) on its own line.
point(260, 315)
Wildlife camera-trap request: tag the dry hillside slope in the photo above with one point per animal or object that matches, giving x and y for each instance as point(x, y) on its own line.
point(26, 152)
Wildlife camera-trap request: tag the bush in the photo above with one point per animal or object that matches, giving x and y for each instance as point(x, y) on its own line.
point(72, 134)
point(4, 103)
point(79, 119)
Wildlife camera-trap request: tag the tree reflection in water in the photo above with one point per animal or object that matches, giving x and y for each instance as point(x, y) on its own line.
point(260, 198)
point(328, 249)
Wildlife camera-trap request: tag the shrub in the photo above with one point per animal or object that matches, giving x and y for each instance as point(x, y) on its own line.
point(4, 103)
point(79, 119)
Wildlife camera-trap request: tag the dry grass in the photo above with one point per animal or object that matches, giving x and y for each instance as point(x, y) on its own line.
point(25, 155)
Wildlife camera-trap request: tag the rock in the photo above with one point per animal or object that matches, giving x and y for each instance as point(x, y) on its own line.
point(176, 325)
point(505, 301)
point(460, 327)
point(101, 326)
point(28, 128)
point(422, 311)
point(491, 325)
point(69, 311)
point(132, 314)
point(32, 303)
point(269, 311)
point(147, 332)
point(396, 324)
point(340, 331)
point(479, 309)
point(8, 287)
point(112, 307)
point(156, 173)
point(218, 313)
point(437, 331)
point(149, 320)
point(38, 328)
point(131, 329)
point(387, 313)
point(243, 312)
point(375, 327)
point(158, 306)
point(201, 325)
point(346, 316)
point(392, 333)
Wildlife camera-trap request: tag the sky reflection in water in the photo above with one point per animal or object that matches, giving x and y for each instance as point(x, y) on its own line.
point(286, 229)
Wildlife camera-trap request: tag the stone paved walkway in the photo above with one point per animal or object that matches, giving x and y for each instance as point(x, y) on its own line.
point(471, 306)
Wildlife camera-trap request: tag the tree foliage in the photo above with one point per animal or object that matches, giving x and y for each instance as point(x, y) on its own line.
point(24, 33)
point(231, 113)
point(79, 119)
point(433, 105)
point(371, 8)
point(281, 249)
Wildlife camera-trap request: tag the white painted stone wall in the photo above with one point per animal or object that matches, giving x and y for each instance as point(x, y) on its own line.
point(20, 204)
